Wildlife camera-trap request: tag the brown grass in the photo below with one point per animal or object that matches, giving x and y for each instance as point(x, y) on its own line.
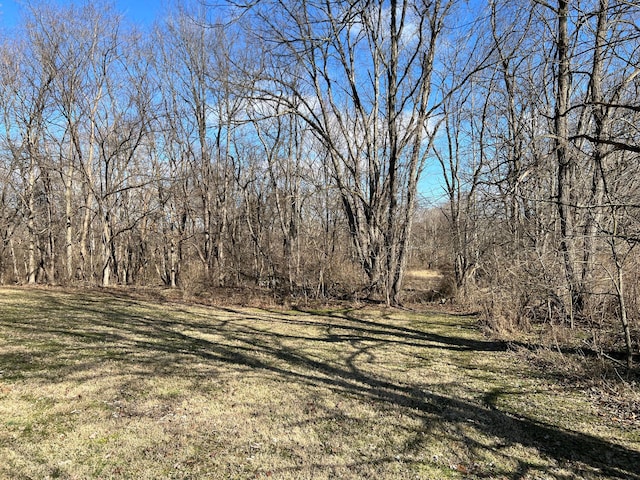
point(424, 274)
point(102, 385)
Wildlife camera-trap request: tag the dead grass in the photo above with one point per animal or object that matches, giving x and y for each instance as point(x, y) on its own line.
point(427, 287)
point(424, 274)
point(101, 385)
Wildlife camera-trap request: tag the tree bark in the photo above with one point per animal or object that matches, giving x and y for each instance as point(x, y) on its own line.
point(565, 162)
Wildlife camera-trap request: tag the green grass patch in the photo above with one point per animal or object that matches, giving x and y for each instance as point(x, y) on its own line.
point(97, 385)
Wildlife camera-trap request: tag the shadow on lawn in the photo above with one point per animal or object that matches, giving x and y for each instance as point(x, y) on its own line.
point(162, 344)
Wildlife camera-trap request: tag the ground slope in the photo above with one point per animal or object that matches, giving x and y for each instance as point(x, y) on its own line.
point(101, 385)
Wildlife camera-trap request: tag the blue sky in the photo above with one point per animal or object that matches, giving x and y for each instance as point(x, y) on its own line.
point(141, 12)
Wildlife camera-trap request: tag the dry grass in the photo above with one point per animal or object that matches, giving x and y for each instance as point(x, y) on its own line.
point(426, 286)
point(424, 274)
point(96, 385)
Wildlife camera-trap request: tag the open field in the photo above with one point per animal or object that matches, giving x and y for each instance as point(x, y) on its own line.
point(102, 385)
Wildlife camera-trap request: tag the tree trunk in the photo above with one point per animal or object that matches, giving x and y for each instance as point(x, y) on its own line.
point(565, 163)
point(68, 231)
point(594, 214)
point(106, 250)
point(31, 263)
point(624, 320)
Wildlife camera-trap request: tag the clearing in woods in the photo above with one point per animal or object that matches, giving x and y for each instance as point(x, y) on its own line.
point(104, 385)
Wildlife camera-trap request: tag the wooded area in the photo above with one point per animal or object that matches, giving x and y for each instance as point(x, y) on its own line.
point(282, 146)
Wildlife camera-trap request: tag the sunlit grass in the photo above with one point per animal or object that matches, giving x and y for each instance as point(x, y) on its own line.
point(97, 385)
point(424, 274)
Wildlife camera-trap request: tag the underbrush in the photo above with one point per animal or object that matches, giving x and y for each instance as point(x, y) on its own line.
point(583, 357)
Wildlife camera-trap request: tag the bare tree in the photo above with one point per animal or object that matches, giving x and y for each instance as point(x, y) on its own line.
point(27, 86)
point(196, 69)
point(359, 74)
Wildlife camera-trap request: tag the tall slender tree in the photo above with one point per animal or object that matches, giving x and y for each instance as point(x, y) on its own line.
point(359, 74)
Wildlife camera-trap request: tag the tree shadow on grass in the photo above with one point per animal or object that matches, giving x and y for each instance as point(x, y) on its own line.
point(244, 340)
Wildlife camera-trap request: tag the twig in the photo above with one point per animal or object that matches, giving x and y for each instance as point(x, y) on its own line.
point(621, 379)
point(614, 360)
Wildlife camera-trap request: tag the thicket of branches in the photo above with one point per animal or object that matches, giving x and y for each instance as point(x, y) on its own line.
point(281, 145)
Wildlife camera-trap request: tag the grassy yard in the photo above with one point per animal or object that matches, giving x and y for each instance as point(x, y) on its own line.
point(102, 385)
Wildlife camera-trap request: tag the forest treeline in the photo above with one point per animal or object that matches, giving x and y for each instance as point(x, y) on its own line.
point(287, 146)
